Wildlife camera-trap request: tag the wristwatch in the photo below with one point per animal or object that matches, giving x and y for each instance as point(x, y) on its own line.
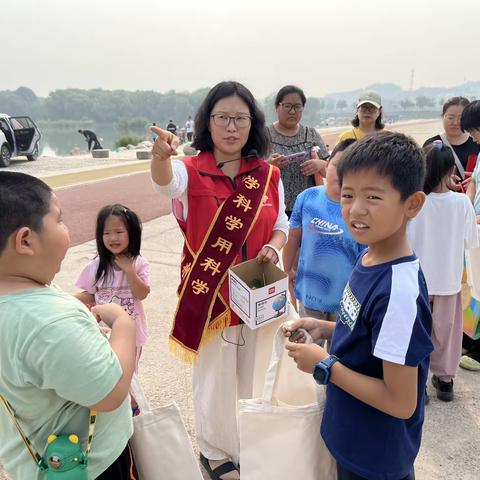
point(321, 372)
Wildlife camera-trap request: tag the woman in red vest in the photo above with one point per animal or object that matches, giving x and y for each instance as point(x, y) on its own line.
point(230, 206)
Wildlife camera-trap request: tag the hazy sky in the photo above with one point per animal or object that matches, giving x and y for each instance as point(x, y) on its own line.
point(321, 45)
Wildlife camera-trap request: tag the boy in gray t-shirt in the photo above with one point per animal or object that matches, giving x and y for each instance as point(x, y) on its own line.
point(55, 364)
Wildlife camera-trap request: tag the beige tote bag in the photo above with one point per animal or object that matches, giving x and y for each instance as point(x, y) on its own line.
point(280, 440)
point(161, 446)
point(293, 387)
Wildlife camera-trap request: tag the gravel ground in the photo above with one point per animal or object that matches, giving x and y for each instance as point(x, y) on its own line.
point(449, 449)
point(46, 166)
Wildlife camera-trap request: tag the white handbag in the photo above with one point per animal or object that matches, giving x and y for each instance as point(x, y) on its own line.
point(282, 441)
point(161, 446)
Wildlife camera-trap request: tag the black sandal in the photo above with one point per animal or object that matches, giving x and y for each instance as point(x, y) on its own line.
point(216, 473)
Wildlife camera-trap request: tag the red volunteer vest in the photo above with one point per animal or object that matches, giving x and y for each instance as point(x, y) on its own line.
point(208, 189)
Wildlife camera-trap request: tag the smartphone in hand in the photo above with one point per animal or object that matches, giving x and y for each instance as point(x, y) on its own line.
point(298, 157)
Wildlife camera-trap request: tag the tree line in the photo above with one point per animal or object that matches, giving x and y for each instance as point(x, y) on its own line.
point(129, 110)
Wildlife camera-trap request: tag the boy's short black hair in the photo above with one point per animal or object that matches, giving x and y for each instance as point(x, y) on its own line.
point(24, 201)
point(342, 146)
point(391, 154)
point(471, 117)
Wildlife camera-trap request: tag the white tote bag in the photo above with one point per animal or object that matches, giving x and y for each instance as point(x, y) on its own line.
point(161, 446)
point(293, 387)
point(280, 441)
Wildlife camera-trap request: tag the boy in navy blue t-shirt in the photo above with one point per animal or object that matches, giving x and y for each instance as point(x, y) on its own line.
point(377, 370)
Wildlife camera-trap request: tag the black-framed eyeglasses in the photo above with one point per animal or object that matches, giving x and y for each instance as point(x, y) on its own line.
point(223, 120)
point(288, 107)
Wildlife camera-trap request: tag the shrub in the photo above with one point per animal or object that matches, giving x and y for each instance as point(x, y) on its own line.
point(126, 140)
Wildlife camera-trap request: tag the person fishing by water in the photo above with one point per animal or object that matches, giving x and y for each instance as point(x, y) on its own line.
point(91, 139)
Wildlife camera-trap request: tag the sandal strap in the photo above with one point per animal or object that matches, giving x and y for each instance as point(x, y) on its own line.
point(224, 468)
point(220, 470)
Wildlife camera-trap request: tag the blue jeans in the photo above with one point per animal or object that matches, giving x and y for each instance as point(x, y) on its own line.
point(344, 474)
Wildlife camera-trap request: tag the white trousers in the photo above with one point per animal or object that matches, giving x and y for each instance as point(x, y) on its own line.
point(230, 367)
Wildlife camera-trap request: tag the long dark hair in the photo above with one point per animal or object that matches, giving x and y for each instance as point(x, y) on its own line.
point(257, 138)
point(134, 228)
point(471, 117)
point(440, 162)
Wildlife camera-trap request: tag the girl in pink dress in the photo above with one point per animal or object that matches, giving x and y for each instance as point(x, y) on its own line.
point(118, 274)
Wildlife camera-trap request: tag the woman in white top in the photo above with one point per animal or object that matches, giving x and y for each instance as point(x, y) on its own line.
point(229, 204)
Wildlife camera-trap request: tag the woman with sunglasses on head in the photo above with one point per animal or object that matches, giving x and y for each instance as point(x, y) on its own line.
point(229, 204)
point(464, 148)
point(287, 137)
point(368, 117)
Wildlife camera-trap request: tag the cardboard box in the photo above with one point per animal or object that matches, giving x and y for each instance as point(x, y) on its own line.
point(264, 304)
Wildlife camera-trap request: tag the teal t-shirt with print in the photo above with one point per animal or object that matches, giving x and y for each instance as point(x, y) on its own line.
point(54, 364)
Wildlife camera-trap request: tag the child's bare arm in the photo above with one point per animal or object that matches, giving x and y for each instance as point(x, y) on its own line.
point(471, 190)
point(395, 395)
point(291, 248)
point(122, 341)
point(139, 288)
point(85, 297)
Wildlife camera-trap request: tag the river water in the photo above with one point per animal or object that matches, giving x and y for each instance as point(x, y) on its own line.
point(61, 140)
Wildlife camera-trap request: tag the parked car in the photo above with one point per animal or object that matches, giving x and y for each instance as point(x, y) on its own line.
point(19, 136)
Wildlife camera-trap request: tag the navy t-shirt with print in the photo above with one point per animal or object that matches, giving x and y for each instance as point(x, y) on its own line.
point(384, 315)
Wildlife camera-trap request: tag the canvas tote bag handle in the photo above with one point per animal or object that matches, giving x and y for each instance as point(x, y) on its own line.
point(273, 370)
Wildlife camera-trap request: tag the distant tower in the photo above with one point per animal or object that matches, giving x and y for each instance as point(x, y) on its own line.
point(412, 78)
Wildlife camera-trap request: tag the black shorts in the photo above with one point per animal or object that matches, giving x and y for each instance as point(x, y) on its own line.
point(123, 468)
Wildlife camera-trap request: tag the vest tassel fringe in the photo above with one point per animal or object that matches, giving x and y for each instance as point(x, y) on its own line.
point(185, 355)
